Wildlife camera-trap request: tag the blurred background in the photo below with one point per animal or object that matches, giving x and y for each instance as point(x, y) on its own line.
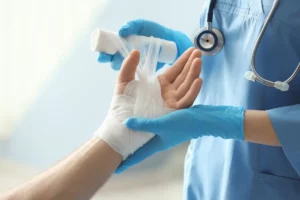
point(54, 94)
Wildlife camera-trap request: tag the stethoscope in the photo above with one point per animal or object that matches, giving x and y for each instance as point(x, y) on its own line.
point(211, 41)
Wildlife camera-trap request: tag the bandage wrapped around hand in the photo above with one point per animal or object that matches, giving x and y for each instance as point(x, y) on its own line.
point(141, 99)
point(149, 96)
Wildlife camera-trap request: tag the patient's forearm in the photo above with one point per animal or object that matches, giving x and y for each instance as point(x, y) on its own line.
point(77, 177)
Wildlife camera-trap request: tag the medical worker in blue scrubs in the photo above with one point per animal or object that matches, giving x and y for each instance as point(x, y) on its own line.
point(245, 137)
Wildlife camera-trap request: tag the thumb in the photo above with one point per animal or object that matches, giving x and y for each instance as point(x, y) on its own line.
point(144, 125)
point(129, 65)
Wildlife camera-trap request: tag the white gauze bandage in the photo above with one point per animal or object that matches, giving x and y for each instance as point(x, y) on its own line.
point(141, 98)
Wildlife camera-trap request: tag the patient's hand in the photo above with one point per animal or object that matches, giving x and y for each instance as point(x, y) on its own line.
point(180, 84)
point(179, 87)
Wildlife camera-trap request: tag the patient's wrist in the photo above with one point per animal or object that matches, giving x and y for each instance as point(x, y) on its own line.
point(105, 147)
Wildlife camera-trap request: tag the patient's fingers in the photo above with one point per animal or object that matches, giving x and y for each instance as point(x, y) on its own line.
point(193, 74)
point(172, 73)
point(128, 69)
point(182, 76)
point(191, 95)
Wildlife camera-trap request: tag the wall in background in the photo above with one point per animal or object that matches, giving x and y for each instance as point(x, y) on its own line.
point(3, 147)
point(35, 35)
point(75, 100)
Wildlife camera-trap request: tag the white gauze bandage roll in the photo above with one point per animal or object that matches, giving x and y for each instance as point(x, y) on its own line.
point(141, 98)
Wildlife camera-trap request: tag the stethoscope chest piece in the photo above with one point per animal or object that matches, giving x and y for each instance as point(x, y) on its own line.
point(209, 40)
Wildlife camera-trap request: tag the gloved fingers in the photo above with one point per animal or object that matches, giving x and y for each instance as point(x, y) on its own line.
point(173, 72)
point(128, 69)
point(141, 154)
point(145, 28)
point(105, 58)
point(117, 61)
point(144, 125)
point(191, 95)
point(180, 78)
point(133, 27)
point(192, 75)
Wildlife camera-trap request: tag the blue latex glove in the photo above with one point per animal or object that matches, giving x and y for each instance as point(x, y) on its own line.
point(183, 125)
point(147, 28)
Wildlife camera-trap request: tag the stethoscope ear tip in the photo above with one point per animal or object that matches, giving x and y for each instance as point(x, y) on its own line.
point(249, 75)
point(282, 86)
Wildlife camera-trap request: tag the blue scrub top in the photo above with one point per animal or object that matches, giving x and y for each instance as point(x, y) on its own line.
point(218, 169)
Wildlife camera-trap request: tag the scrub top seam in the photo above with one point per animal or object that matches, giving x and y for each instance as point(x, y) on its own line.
point(237, 9)
point(289, 25)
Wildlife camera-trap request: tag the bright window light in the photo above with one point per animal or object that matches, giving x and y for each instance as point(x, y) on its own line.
point(35, 35)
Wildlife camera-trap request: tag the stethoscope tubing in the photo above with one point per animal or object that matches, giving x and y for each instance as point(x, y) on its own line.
point(250, 75)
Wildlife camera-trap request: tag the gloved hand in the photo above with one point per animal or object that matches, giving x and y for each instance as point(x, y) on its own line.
point(183, 125)
point(147, 28)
